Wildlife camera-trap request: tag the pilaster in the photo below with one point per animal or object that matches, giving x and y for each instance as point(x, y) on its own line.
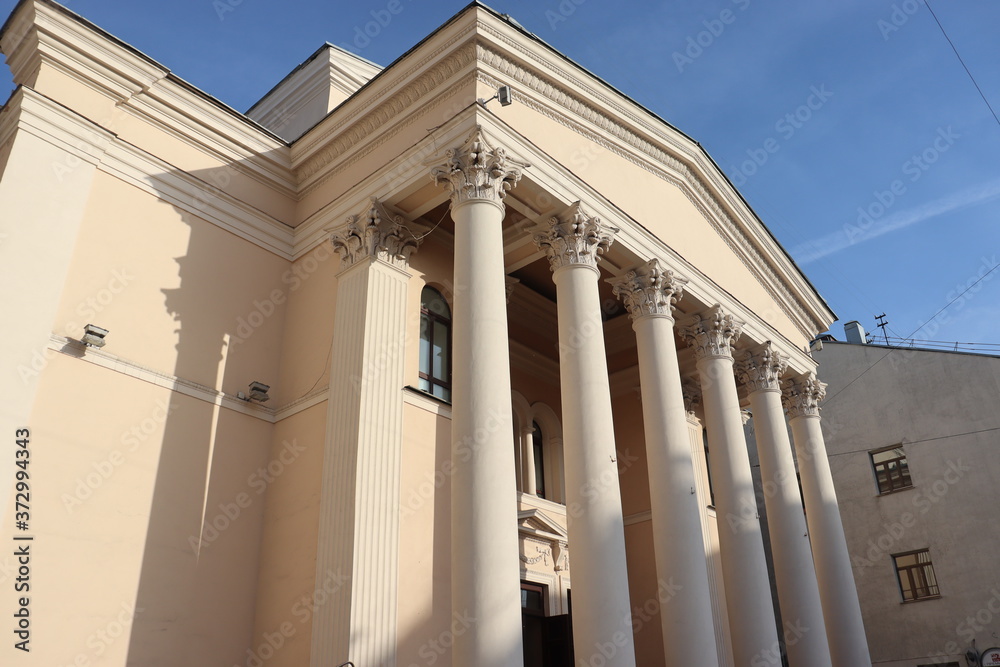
point(359, 507)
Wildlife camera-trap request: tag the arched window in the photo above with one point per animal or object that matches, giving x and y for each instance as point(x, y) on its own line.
point(538, 454)
point(435, 344)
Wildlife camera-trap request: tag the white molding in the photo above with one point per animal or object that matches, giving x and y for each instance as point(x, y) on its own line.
point(639, 517)
point(77, 350)
point(78, 136)
point(419, 399)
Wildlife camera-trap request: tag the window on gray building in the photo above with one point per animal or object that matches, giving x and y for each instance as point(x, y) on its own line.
point(891, 470)
point(915, 573)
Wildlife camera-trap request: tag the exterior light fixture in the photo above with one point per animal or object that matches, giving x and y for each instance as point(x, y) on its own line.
point(93, 336)
point(503, 95)
point(258, 392)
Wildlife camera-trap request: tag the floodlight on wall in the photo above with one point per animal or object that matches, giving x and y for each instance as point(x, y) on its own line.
point(258, 392)
point(503, 95)
point(93, 336)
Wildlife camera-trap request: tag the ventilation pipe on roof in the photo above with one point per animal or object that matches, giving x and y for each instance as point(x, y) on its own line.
point(855, 333)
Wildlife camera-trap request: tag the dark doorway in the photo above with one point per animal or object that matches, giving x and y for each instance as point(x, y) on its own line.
point(548, 640)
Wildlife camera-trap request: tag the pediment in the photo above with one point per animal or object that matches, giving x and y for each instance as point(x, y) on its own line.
point(535, 523)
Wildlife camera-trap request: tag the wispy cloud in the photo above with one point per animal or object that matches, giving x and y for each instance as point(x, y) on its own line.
point(853, 234)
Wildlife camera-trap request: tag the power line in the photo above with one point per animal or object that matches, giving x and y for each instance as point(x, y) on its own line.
point(941, 310)
point(957, 54)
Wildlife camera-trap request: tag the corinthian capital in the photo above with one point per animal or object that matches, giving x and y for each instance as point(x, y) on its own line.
point(711, 333)
point(376, 233)
point(762, 368)
point(574, 237)
point(803, 395)
point(648, 290)
point(475, 171)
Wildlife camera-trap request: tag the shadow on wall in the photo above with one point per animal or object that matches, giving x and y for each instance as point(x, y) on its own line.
point(199, 574)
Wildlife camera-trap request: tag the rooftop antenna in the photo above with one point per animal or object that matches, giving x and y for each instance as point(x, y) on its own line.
point(882, 324)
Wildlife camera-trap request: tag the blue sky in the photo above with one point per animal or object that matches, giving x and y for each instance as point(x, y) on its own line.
point(850, 126)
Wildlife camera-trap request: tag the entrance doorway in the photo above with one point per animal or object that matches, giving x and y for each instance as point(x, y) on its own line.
point(548, 640)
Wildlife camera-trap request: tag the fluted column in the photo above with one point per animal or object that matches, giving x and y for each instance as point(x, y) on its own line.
point(838, 593)
point(485, 566)
point(798, 592)
point(649, 293)
point(359, 507)
point(744, 568)
point(601, 613)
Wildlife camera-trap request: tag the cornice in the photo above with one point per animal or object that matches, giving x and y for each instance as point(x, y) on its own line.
point(652, 147)
point(54, 123)
point(139, 86)
point(321, 147)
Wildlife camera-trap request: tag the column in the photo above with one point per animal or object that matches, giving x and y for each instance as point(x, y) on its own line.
point(528, 460)
point(359, 506)
point(744, 568)
point(485, 561)
point(601, 612)
point(837, 590)
point(649, 293)
point(798, 593)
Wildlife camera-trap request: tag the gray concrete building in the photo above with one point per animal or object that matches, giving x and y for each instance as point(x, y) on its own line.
point(913, 437)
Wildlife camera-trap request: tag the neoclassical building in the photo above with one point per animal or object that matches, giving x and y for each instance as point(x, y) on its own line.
point(389, 372)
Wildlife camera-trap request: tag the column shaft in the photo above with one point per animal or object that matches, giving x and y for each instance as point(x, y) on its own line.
point(744, 567)
point(528, 462)
point(678, 542)
point(838, 591)
point(602, 628)
point(601, 611)
point(485, 567)
point(798, 593)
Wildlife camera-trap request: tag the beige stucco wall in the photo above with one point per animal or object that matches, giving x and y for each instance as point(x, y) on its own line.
point(288, 592)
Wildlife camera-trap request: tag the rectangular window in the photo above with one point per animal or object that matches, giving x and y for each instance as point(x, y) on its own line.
point(532, 599)
point(915, 573)
point(891, 470)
